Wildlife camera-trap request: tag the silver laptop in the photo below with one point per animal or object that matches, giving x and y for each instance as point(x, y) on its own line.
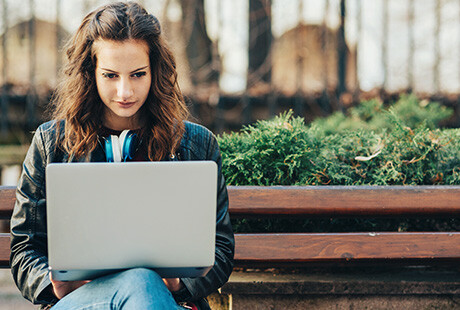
point(107, 217)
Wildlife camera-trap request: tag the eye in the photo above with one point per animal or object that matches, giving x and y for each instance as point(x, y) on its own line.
point(139, 74)
point(109, 75)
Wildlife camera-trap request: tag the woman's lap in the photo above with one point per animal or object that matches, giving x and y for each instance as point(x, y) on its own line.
point(138, 288)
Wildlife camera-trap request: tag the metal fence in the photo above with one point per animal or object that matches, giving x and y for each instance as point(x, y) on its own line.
point(255, 57)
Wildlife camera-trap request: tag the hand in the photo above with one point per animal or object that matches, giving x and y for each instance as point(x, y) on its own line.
point(62, 288)
point(173, 284)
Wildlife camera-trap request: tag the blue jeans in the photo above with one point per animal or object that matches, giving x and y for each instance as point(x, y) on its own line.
point(133, 289)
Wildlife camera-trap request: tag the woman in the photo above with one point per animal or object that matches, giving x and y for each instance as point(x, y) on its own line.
point(119, 75)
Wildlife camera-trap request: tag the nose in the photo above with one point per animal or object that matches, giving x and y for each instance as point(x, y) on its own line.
point(124, 89)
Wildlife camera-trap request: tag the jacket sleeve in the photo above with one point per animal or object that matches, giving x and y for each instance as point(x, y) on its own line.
point(225, 244)
point(29, 262)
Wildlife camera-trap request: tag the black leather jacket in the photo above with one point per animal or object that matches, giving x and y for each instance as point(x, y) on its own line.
point(29, 262)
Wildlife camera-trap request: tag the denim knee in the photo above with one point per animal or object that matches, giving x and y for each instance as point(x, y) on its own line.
point(140, 279)
point(133, 289)
point(142, 286)
point(140, 274)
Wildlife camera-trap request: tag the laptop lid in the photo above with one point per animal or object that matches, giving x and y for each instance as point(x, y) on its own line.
point(104, 217)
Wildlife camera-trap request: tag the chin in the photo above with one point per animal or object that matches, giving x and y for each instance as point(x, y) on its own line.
point(125, 113)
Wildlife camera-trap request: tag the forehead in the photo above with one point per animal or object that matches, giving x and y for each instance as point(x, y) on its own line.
point(121, 54)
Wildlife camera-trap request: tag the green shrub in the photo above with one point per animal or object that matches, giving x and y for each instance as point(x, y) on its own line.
point(285, 151)
point(372, 115)
point(372, 146)
point(402, 156)
point(272, 152)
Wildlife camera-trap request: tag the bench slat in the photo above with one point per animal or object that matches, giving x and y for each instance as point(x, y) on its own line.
point(318, 247)
point(344, 200)
point(7, 200)
point(324, 201)
point(4, 250)
point(314, 247)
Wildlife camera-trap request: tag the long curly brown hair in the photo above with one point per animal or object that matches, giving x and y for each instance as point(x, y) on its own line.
point(77, 101)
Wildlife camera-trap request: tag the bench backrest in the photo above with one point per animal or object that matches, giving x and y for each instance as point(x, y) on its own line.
point(346, 248)
point(336, 201)
point(7, 200)
point(328, 201)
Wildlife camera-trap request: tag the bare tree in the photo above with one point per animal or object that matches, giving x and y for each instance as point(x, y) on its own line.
point(260, 41)
point(199, 47)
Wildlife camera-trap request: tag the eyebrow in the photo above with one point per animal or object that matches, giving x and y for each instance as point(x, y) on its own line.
point(142, 68)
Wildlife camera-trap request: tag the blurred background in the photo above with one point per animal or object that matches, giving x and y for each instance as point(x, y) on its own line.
point(244, 60)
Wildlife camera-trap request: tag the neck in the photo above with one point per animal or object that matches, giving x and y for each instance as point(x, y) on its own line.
point(121, 124)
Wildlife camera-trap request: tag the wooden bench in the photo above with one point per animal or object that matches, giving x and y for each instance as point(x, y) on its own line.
point(346, 201)
point(298, 249)
point(358, 288)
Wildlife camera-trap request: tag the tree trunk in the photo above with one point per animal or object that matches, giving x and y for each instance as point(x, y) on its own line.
point(342, 51)
point(260, 40)
point(199, 47)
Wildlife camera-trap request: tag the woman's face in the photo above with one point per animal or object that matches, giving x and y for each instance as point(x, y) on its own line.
point(123, 80)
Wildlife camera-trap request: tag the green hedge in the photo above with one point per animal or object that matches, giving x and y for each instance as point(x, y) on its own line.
point(371, 145)
point(286, 151)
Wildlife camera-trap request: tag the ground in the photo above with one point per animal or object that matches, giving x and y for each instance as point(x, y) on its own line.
point(10, 297)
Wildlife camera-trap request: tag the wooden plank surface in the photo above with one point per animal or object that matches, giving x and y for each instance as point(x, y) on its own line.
point(7, 199)
point(316, 247)
point(325, 200)
point(344, 200)
point(4, 250)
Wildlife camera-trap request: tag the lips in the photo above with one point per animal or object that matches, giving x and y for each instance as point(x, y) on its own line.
point(126, 104)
